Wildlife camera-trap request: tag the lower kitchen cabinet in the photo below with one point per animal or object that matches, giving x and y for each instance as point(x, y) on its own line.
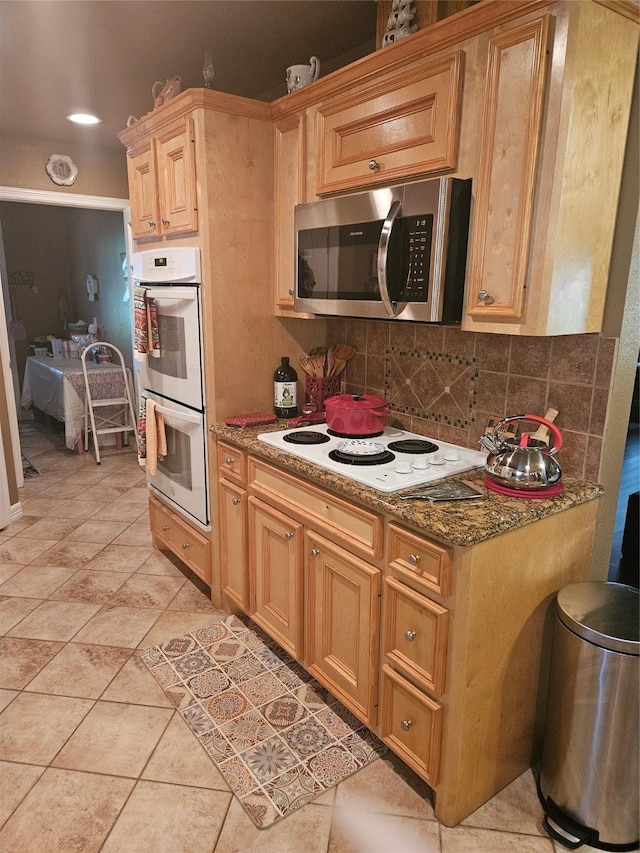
point(342, 622)
point(173, 533)
point(275, 566)
point(411, 724)
point(233, 543)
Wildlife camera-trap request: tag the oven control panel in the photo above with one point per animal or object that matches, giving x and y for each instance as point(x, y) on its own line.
point(171, 265)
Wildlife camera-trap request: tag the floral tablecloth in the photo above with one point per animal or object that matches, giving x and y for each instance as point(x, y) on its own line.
point(56, 386)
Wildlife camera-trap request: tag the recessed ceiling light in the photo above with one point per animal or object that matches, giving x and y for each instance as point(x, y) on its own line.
point(84, 118)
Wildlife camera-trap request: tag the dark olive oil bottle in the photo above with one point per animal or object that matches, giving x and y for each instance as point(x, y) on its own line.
point(285, 404)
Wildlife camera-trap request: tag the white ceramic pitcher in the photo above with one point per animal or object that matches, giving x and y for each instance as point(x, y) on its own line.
point(301, 75)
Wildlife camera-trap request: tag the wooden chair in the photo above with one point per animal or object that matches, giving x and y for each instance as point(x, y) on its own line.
point(112, 415)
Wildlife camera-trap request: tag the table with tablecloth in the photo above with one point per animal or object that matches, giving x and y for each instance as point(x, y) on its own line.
point(56, 387)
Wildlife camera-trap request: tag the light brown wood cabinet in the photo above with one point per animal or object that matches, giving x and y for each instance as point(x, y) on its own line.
point(437, 648)
point(234, 573)
point(289, 190)
point(172, 533)
point(275, 567)
point(342, 616)
point(401, 125)
point(162, 182)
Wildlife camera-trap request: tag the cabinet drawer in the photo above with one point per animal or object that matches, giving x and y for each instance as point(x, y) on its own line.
point(411, 725)
point(415, 635)
point(192, 547)
point(357, 529)
point(404, 125)
point(419, 561)
point(232, 462)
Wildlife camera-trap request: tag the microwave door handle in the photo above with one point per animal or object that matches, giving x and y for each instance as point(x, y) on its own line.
point(172, 293)
point(179, 416)
point(391, 308)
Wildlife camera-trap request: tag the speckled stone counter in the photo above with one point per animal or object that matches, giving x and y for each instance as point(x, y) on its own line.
point(455, 522)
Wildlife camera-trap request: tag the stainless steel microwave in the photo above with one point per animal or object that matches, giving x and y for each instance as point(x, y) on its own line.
point(394, 253)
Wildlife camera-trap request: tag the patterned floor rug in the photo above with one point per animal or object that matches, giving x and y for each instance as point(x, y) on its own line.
point(28, 469)
point(276, 735)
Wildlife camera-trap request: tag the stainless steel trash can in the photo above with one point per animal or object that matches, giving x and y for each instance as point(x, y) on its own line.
point(588, 779)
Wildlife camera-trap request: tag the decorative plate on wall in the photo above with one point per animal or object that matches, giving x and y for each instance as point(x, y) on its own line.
point(62, 170)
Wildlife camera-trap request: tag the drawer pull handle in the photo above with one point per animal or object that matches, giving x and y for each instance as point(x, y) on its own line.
point(228, 460)
point(315, 552)
point(406, 724)
point(374, 165)
point(414, 559)
point(288, 535)
point(410, 636)
point(235, 501)
point(185, 545)
point(165, 527)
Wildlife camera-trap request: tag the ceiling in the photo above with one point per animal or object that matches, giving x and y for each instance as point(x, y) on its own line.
point(103, 56)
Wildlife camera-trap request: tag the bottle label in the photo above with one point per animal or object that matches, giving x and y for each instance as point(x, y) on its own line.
point(284, 395)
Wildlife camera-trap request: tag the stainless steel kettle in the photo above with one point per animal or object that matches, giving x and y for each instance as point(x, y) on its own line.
point(522, 462)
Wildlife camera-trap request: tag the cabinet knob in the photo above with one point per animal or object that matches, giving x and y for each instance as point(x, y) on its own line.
point(165, 527)
point(164, 221)
point(235, 501)
point(288, 535)
point(374, 165)
point(414, 559)
point(185, 545)
point(406, 724)
point(485, 297)
point(290, 291)
point(410, 636)
point(228, 460)
point(315, 552)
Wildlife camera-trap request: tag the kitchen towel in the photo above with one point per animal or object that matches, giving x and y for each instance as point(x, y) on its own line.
point(146, 330)
point(276, 735)
point(152, 437)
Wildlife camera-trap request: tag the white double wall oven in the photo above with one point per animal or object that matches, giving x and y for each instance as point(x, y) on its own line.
point(174, 379)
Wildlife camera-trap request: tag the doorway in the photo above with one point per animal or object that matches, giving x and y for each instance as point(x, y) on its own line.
point(116, 281)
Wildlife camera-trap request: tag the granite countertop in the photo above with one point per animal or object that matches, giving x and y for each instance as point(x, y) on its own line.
point(455, 522)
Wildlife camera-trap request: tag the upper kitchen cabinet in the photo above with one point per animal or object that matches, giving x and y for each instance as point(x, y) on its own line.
point(162, 179)
point(401, 125)
point(553, 128)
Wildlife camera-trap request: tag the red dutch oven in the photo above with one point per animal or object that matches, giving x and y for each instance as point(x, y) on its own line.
point(355, 415)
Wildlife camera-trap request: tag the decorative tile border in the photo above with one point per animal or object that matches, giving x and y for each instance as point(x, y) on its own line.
point(433, 386)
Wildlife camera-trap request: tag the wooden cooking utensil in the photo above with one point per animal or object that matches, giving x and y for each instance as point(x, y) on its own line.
point(344, 351)
point(331, 361)
point(542, 433)
point(307, 364)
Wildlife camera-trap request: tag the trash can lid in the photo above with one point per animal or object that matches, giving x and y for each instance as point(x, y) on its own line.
point(603, 613)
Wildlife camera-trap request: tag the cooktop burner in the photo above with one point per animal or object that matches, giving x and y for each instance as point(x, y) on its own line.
point(413, 445)
point(371, 459)
point(416, 461)
point(300, 437)
point(347, 435)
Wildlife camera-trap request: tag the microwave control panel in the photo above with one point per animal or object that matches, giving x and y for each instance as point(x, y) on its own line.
point(418, 237)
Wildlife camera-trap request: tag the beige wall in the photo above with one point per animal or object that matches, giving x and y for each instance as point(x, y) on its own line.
point(101, 171)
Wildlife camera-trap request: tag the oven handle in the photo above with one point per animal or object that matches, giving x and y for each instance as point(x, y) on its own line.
point(180, 416)
point(392, 309)
point(172, 292)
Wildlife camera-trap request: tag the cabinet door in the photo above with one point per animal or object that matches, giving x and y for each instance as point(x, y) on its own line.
point(505, 190)
point(143, 189)
point(343, 619)
point(290, 168)
point(275, 572)
point(404, 125)
point(233, 543)
point(177, 178)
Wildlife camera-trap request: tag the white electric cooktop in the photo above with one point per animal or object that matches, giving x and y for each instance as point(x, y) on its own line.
point(389, 462)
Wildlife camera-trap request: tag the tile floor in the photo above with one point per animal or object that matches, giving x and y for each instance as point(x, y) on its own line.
point(92, 755)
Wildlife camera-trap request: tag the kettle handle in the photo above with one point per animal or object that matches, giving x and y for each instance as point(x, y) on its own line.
point(553, 429)
point(314, 64)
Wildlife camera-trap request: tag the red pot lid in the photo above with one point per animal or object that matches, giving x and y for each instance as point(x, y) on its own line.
point(356, 401)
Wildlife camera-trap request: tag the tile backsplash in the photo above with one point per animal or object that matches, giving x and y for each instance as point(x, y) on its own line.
point(445, 383)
